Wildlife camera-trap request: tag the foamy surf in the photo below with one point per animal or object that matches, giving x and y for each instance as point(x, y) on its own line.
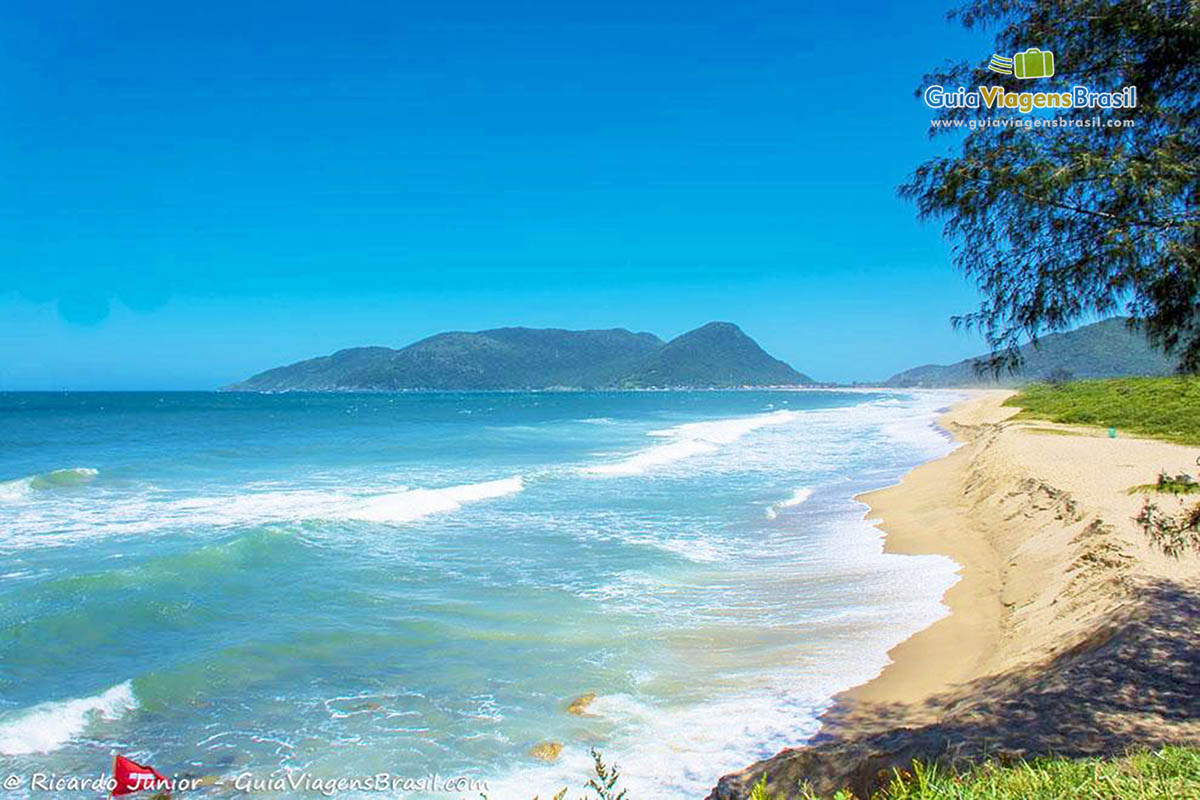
point(64, 525)
point(711, 635)
point(797, 498)
point(404, 505)
point(690, 439)
point(667, 751)
point(416, 503)
point(48, 726)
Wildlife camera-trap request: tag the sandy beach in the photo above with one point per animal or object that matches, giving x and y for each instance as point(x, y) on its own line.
point(1068, 632)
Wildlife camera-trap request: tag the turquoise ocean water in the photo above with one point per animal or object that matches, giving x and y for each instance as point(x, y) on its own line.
point(339, 585)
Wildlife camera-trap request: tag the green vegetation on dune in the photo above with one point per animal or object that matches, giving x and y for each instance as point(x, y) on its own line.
point(1163, 408)
point(1172, 772)
point(1169, 772)
point(1166, 774)
point(1180, 483)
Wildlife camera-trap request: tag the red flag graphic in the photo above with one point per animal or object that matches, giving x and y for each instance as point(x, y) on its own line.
point(131, 777)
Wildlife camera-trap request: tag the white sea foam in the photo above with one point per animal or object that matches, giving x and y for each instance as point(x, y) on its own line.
point(699, 548)
point(690, 439)
point(674, 750)
point(797, 497)
point(58, 524)
point(48, 726)
point(416, 503)
point(670, 744)
point(404, 505)
point(14, 491)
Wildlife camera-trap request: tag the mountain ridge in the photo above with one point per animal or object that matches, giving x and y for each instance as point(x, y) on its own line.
point(715, 355)
point(1104, 349)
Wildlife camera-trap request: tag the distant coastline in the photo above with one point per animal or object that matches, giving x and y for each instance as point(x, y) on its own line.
point(718, 355)
point(715, 355)
point(783, 387)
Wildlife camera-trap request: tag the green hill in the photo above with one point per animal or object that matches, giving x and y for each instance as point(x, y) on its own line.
point(1104, 349)
point(716, 355)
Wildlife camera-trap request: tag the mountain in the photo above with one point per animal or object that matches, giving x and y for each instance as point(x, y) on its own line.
point(1103, 349)
point(718, 354)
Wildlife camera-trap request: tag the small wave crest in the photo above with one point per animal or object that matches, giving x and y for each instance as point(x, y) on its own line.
point(146, 513)
point(48, 726)
point(55, 479)
point(416, 503)
point(404, 505)
point(691, 439)
point(797, 498)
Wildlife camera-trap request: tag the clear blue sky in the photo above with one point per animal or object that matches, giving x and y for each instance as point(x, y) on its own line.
point(194, 192)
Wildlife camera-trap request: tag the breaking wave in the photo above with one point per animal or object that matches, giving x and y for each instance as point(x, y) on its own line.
point(691, 439)
point(62, 524)
point(416, 503)
point(55, 479)
point(48, 726)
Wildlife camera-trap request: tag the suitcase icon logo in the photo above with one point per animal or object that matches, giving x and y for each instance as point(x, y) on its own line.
point(1033, 63)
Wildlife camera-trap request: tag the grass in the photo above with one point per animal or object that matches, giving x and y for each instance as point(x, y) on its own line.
point(1183, 483)
point(1162, 408)
point(1166, 774)
point(1173, 772)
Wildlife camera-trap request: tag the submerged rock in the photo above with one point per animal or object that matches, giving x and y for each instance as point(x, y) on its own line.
point(579, 705)
point(546, 751)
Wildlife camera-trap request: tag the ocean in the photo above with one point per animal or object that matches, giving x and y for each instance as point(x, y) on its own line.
point(351, 584)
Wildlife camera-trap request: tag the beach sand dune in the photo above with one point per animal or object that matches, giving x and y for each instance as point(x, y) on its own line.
point(1069, 633)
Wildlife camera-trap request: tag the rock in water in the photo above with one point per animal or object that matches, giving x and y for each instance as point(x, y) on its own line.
point(579, 705)
point(546, 751)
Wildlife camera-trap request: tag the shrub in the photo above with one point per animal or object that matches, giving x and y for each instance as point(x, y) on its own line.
point(1173, 534)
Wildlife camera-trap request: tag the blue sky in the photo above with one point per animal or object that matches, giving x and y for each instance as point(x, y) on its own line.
point(193, 193)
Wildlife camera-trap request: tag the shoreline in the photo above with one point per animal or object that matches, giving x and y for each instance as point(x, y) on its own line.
point(959, 641)
point(1057, 627)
